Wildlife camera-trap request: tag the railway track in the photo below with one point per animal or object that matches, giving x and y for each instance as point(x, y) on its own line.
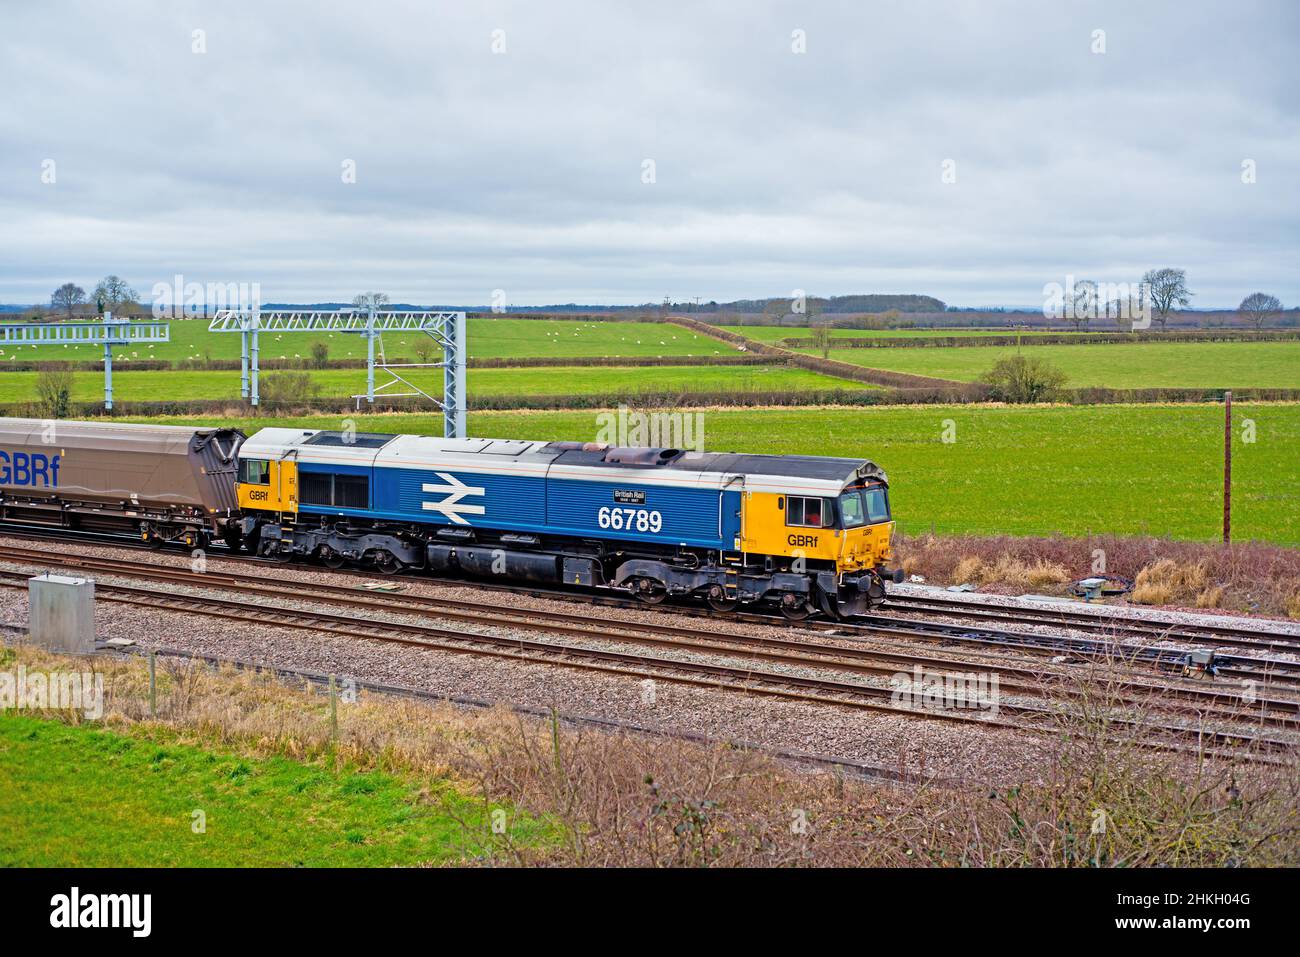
point(745, 677)
point(1016, 679)
point(1240, 667)
point(1117, 624)
point(1278, 671)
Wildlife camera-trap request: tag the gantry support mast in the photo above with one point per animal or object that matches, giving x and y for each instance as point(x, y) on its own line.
point(108, 333)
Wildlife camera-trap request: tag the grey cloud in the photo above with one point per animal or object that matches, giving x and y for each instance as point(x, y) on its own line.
point(774, 170)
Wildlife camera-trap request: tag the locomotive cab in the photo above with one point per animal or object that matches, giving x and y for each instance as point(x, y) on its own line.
point(267, 485)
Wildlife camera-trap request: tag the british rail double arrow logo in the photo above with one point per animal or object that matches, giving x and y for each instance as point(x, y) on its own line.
point(451, 506)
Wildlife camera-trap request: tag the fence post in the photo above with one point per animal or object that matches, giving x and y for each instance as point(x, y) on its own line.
point(334, 713)
point(1227, 466)
point(153, 685)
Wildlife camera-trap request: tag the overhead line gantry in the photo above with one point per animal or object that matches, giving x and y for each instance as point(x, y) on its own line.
point(109, 333)
point(447, 329)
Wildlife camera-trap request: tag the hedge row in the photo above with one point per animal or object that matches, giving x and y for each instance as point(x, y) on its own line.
point(535, 361)
point(272, 365)
point(1063, 339)
point(231, 408)
point(1103, 396)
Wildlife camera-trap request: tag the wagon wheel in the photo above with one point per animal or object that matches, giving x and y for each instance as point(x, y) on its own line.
point(388, 563)
point(648, 590)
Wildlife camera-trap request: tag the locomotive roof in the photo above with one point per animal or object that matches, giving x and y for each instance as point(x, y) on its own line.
point(816, 475)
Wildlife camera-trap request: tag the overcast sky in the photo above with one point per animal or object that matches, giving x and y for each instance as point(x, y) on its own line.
point(773, 170)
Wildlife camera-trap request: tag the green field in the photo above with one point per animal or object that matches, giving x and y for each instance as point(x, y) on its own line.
point(545, 380)
point(489, 338)
point(79, 796)
point(1022, 470)
point(1148, 365)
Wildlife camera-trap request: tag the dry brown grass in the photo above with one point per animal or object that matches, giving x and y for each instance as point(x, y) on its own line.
point(1253, 577)
point(1211, 597)
point(969, 570)
point(1293, 605)
point(1010, 571)
point(1152, 593)
point(1167, 582)
point(633, 800)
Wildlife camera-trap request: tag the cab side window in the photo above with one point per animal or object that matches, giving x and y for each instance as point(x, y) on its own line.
point(877, 504)
point(805, 512)
point(255, 471)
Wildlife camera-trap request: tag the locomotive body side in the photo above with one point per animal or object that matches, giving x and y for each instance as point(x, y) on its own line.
point(653, 522)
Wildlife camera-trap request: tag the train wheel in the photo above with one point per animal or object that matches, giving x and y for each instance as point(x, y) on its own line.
point(388, 563)
point(331, 559)
point(274, 551)
point(648, 590)
point(795, 607)
point(234, 542)
point(851, 608)
point(718, 600)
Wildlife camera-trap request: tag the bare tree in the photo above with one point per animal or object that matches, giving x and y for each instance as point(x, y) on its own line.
point(1259, 308)
point(54, 391)
point(821, 337)
point(67, 297)
point(1021, 379)
point(1168, 289)
point(1084, 304)
point(113, 293)
point(777, 309)
point(364, 299)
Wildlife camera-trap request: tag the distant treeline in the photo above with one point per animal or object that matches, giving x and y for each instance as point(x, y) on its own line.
point(1066, 339)
point(876, 312)
point(990, 319)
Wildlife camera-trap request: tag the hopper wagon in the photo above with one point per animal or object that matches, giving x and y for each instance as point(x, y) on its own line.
point(163, 483)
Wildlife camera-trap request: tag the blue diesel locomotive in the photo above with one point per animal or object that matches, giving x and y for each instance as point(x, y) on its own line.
point(804, 533)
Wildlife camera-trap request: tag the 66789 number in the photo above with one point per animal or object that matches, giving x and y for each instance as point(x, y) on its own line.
point(640, 519)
